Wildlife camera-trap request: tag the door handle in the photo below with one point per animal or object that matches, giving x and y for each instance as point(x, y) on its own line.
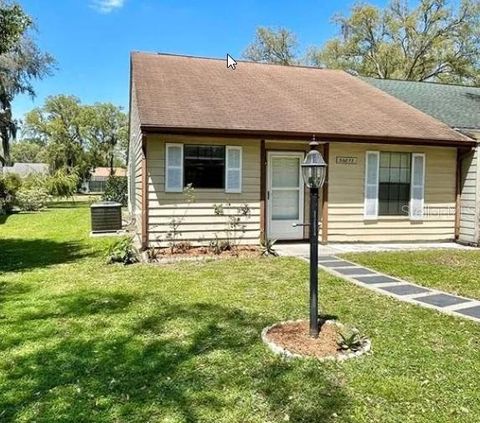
point(268, 195)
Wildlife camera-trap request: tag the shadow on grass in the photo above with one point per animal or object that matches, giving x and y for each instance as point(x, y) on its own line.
point(81, 304)
point(34, 321)
point(18, 254)
point(4, 217)
point(200, 362)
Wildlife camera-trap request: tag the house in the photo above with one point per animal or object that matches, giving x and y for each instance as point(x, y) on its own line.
point(239, 137)
point(26, 169)
point(99, 177)
point(459, 107)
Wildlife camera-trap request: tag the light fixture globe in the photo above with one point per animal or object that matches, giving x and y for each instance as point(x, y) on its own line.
point(314, 169)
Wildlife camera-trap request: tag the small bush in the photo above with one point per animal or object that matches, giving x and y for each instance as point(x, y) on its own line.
point(116, 189)
point(349, 339)
point(267, 247)
point(61, 184)
point(32, 199)
point(122, 251)
point(9, 186)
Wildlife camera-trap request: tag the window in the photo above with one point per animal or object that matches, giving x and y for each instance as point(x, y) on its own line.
point(394, 184)
point(204, 166)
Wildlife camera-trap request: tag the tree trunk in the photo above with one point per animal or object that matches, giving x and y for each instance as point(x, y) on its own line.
point(112, 171)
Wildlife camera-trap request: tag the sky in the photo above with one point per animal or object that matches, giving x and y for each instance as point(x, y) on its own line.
point(91, 39)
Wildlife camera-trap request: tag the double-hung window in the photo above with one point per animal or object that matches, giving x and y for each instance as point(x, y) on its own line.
point(203, 167)
point(394, 184)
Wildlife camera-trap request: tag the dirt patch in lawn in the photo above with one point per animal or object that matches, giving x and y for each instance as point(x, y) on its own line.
point(292, 340)
point(295, 338)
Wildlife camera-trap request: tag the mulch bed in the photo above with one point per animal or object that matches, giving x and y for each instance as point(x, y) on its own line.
point(294, 337)
point(204, 252)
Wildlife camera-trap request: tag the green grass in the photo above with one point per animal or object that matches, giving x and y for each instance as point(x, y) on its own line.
point(81, 341)
point(455, 271)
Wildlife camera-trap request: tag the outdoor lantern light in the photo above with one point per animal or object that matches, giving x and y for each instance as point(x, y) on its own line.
point(314, 169)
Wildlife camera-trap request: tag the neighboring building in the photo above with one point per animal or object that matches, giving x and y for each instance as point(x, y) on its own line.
point(99, 177)
point(459, 107)
point(239, 137)
point(25, 169)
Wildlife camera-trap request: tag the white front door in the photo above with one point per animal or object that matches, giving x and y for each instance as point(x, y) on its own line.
point(284, 195)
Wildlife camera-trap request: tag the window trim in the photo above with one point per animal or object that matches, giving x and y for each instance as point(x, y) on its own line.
point(420, 217)
point(374, 216)
point(239, 169)
point(168, 166)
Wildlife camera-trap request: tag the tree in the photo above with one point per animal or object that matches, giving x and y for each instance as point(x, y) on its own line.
point(107, 129)
point(278, 46)
point(27, 151)
point(77, 137)
point(429, 42)
point(21, 61)
point(60, 124)
point(13, 23)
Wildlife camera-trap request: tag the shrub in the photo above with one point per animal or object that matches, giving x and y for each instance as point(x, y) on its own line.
point(174, 233)
point(61, 184)
point(116, 189)
point(33, 199)
point(34, 181)
point(349, 339)
point(122, 251)
point(10, 183)
point(267, 247)
point(235, 229)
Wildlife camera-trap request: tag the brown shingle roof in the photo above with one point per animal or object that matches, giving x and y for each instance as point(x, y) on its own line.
point(179, 92)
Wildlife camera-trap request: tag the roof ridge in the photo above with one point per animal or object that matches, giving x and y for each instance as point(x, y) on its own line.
point(421, 82)
point(192, 56)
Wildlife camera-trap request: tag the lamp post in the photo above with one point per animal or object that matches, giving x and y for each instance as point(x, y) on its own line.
point(313, 171)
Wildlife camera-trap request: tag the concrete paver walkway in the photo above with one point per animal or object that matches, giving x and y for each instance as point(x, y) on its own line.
point(397, 288)
point(301, 249)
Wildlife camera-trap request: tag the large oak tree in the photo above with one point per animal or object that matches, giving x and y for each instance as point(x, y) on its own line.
point(432, 41)
point(272, 45)
point(78, 137)
point(21, 62)
point(436, 40)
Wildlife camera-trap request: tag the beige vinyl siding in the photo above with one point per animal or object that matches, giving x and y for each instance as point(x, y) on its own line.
point(135, 163)
point(346, 198)
point(199, 222)
point(469, 212)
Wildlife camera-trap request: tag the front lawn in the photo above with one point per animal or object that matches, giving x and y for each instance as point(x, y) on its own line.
point(81, 341)
point(455, 271)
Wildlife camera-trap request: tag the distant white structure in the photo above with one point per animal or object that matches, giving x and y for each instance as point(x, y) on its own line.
point(26, 169)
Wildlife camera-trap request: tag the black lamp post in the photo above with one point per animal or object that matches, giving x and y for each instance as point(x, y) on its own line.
point(313, 170)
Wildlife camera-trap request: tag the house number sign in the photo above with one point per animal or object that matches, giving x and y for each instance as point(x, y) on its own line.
point(346, 160)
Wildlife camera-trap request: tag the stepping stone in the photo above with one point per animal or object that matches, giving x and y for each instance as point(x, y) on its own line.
point(441, 300)
point(355, 271)
point(337, 263)
point(370, 280)
point(406, 289)
point(471, 311)
point(326, 258)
